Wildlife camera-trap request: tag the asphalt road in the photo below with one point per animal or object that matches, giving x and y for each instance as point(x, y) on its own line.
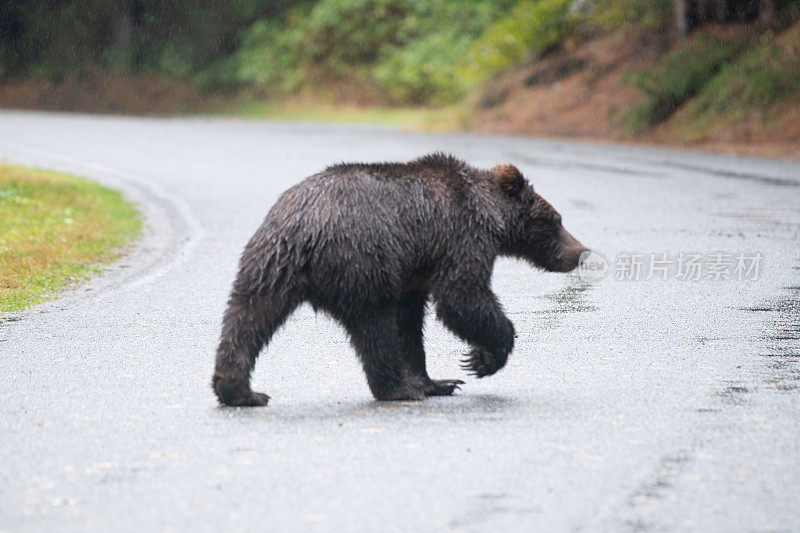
point(660, 404)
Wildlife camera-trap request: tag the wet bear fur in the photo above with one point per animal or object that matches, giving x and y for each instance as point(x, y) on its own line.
point(372, 245)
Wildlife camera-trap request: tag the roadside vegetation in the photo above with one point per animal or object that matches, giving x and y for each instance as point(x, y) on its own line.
point(675, 78)
point(720, 62)
point(56, 229)
point(764, 75)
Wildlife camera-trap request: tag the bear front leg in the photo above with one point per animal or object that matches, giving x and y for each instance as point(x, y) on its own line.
point(375, 337)
point(475, 316)
point(410, 318)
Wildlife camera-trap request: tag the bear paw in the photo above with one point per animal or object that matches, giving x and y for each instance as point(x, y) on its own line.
point(405, 393)
point(481, 363)
point(238, 394)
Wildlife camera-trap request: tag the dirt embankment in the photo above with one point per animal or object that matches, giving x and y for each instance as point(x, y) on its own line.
point(107, 92)
point(583, 93)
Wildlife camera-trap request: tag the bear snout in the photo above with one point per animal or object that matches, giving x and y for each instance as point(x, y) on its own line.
point(570, 252)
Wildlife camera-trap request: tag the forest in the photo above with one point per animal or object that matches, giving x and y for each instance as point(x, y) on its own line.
point(395, 52)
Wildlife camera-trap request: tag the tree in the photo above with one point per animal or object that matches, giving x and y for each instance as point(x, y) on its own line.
point(681, 8)
point(689, 14)
point(768, 12)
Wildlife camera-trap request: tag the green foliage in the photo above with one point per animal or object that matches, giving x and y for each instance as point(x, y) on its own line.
point(530, 29)
point(342, 33)
point(266, 57)
point(424, 71)
point(405, 51)
point(401, 45)
point(624, 15)
point(58, 39)
point(425, 67)
point(764, 74)
point(674, 79)
point(333, 36)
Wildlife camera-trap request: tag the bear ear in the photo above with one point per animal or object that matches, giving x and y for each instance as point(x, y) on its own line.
point(509, 179)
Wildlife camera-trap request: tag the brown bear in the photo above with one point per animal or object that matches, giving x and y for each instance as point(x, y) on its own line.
point(371, 244)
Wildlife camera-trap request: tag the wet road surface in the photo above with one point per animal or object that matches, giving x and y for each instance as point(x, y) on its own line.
point(627, 405)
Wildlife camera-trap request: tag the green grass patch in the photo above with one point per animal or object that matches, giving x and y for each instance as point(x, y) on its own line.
point(675, 78)
point(56, 229)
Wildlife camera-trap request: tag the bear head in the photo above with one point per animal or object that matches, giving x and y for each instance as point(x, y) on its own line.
point(534, 231)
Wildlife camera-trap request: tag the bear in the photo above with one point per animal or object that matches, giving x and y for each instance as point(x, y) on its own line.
point(372, 245)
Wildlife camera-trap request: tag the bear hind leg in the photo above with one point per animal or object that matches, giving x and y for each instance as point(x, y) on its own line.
point(248, 324)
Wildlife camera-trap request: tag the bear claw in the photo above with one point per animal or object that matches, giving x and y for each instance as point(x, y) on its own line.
point(258, 399)
point(481, 363)
point(444, 387)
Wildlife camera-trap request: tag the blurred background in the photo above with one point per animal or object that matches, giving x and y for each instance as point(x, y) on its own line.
point(719, 73)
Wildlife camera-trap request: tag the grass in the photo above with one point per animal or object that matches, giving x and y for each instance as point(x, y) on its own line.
point(56, 229)
point(412, 118)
